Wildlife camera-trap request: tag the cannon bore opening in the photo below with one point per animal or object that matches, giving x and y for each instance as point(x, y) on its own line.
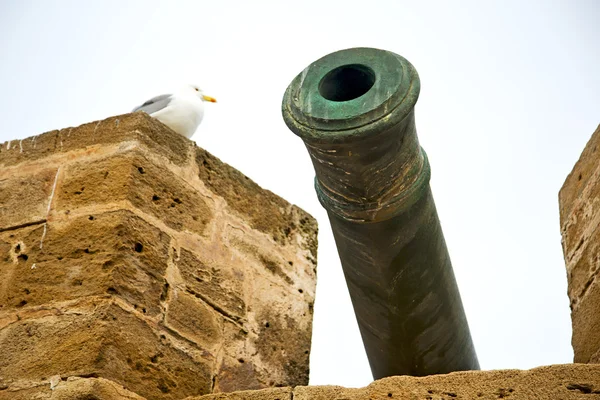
point(347, 82)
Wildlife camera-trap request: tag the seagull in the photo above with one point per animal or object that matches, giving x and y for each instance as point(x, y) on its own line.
point(181, 111)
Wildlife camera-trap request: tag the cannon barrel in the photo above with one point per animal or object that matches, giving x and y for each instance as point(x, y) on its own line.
point(354, 110)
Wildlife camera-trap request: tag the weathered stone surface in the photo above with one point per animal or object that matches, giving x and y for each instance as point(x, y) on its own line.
point(116, 253)
point(222, 286)
point(138, 127)
point(98, 338)
point(194, 319)
point(586, 325)
point(36, 147)
point(283, 393)
point(24, 199)
point(266, 211)
point(16, 248)
point(71, 389)
point(566, 382)
point(235, 373)
point(129, 262)
point(268, 316)
point(583, 270)
point(133, 177)
point(329, 392)
point(580, 229)
point(579, 177)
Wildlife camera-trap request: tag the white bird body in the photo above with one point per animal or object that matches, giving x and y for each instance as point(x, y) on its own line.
point(181, 111)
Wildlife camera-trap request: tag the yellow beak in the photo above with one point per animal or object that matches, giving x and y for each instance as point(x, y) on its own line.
point(208, 98)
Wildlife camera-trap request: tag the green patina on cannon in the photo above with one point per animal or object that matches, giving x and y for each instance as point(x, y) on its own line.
point(354, 110)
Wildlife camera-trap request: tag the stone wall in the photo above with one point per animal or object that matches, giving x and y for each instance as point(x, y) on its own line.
point(556, 382)
point(134, 264)
point(580, 228)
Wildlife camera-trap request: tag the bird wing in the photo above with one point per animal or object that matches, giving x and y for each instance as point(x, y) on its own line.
point(155, 104)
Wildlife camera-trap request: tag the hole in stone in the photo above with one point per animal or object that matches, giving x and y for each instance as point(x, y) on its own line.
point(27, 291)
point(305, 351)
point(141, 170)
point(579, 177)
point(300, 291)
point(162, 386)
point(18, 248)
point(22, 303)
point(267, 325)
point(23, 257)
point(347, 82)
point(144, 310)
point(155, 198)
point(389, 395)
point(291, 263)
point(138, 247)
point(172, 205)
point(87, 251)
point(241, 360)
point(177, 200)
point(91, 217)
point(111, 290)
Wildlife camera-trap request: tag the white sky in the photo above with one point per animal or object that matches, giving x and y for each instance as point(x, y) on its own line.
point(510, 95)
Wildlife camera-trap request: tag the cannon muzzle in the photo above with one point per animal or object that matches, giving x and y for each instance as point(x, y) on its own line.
point(354, 110)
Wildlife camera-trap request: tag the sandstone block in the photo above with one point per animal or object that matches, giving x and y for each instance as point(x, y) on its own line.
point(71, 389)
point(579, 177)
point(284, 393)
point(221, 286)
point(583, 270)
point(131, 176)
point(116, 130)
point(195, 320)
point(36, 147)
point(264, 210)
point(580, 229)
point(98, 338)
point(115, 254)
point(25, 199)
point(586, 325)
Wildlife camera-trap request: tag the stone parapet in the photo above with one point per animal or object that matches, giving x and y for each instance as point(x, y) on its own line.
point(135, 262)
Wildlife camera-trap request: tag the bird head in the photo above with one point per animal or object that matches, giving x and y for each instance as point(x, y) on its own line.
point(201, 94)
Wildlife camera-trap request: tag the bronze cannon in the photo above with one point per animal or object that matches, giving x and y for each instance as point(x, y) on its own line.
point(354, 110)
